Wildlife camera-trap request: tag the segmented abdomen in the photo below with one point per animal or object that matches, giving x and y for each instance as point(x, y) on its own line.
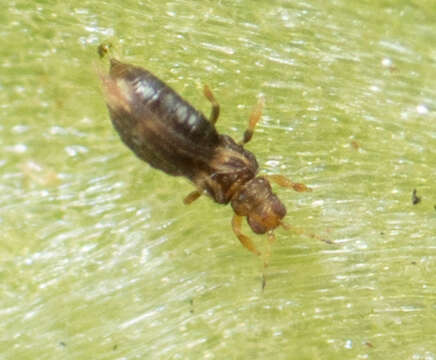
point(156, 123)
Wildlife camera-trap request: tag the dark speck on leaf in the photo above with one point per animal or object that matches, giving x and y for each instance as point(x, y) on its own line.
point(415, 198)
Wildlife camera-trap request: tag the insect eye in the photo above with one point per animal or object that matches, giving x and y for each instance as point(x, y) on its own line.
point(256, 225)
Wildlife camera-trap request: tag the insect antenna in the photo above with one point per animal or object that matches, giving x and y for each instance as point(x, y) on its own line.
point(301, 231)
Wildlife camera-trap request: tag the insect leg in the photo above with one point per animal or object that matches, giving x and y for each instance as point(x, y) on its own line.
point(254, 119)
point(245, 240)
point(104, 49)
point(285, 182)
point(191, 197)
point(215, 106)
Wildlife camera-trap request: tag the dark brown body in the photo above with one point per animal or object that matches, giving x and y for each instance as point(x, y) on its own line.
point(164, 130)
point(167, 132)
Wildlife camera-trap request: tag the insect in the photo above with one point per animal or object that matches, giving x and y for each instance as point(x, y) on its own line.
point(168, 133)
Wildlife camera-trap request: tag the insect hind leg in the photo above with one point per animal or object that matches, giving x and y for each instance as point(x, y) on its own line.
point(215, 112)
point(255, 116)
point(191, 197)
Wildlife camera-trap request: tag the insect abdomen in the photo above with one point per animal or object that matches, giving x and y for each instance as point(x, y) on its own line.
point(156, 123)
point(152, 94)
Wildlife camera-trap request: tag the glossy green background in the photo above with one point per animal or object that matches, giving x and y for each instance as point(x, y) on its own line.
point(99, 258)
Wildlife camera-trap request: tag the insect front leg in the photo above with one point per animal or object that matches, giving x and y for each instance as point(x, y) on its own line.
point(215, 113)
point(245, 240)
point(285, 182)
point(255, 116)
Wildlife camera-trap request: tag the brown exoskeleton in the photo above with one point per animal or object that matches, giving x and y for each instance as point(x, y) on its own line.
point(165, 131)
